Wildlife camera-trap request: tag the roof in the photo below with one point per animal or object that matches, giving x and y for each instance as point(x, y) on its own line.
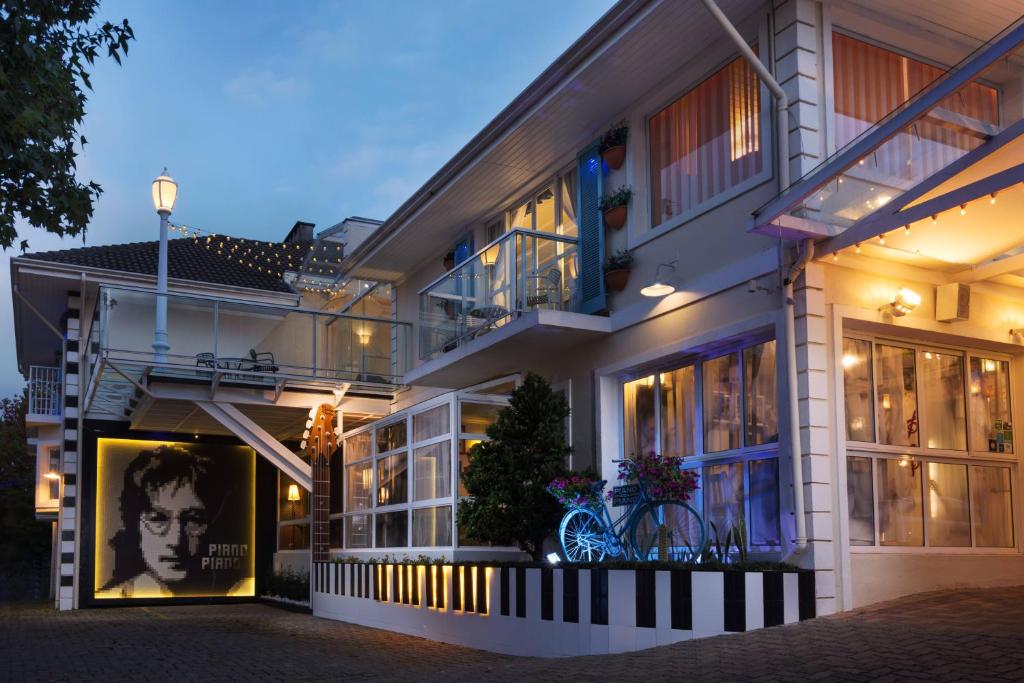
point(190, 259)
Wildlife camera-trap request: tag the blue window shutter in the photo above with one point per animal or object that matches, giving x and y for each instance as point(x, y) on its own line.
point(591, 227)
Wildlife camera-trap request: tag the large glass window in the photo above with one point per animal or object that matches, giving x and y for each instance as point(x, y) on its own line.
point(723, 498)
point(392, 529)
point(358, 486)
point(897, 396)
point(899, 502)
point(706, 142)
point(860, 501)
point(871, 81)
point(992, 508)
point(991, 428)
point(949, 520)
point(678, 411)
point(860, 415)
point(721, 403)
point(764, 502)
point(942, 397)
point(638, 417)
point(432, 465)
point(391, 437)
point(432, 526)
point(357, 531)
point(431, 423)
point(760, 409)
point(392, 480)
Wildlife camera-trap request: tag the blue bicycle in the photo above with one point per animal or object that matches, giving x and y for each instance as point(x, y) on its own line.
point(649, 530)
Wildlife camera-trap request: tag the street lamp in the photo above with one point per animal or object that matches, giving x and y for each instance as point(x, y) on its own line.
point(165, 191)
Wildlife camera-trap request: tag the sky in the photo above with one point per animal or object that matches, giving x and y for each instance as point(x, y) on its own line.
point(271, 112)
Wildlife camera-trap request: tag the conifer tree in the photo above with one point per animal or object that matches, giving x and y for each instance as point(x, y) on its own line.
point(507, 475)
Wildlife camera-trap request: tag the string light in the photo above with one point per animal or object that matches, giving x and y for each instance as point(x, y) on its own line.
point(835, 256)
point(906, 229)
point(963, 209)
point(858, 247)
point(935, 219)
point(992, 198)
point(881, 239)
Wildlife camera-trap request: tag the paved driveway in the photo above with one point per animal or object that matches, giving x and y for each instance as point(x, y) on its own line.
point(975, 635)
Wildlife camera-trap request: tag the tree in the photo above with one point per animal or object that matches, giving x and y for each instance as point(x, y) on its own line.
point(507, 475)
point(45, 49)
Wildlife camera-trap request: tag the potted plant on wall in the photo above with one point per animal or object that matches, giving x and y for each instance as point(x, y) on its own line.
point(449, 261)
point(616, 270)
point(615, 207)
point(613, 145)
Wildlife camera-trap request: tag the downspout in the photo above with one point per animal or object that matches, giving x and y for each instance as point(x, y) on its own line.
point(796, 453)
point(781, 100)
point(806, 253)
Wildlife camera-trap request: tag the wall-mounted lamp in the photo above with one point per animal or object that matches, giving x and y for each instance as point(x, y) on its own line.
point(293, 492)
point(1017, 335)
point(490, 256)
point(52, 476)
point(660, 286)
point(905, 301)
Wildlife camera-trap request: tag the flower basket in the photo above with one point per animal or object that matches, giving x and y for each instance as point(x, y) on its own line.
point(662, 475)
point(615, 280)
point(616, 217)
point(614, 156)
point(576, 492)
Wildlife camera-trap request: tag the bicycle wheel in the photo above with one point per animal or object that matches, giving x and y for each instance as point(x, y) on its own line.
point(667, 531)
point(582, 535)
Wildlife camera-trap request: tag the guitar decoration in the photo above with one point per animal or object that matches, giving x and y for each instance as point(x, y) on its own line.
point(320, 441)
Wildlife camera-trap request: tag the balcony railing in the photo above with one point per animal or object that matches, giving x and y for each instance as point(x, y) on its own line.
point(521, 271)
point(250, 342)
point(44, 391)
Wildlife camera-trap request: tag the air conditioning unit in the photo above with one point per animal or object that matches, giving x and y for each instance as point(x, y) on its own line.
point(952, 303)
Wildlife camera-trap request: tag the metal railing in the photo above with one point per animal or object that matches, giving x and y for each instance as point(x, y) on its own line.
point(252, 342)
point(520, 271)
point(44, 391)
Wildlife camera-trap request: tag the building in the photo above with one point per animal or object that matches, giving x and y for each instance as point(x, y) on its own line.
point(830, 190)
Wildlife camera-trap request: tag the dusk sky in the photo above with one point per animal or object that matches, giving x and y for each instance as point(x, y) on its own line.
point(271, 112)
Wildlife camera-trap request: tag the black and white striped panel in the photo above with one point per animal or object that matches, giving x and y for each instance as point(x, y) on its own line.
point(68, 521)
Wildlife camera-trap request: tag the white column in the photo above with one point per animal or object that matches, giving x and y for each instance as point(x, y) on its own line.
point(160, 345)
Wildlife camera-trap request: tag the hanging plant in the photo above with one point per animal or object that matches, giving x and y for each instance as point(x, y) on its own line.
point(613, 145)
point(449, 261)
point(616, 270)
point(663, 475)
point(615, 207)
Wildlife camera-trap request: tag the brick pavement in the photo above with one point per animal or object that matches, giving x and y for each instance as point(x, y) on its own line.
point(975, 635)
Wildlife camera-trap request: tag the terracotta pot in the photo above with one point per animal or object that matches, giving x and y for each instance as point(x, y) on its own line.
point(449, 263)
point(614, 156)
point(615, 280)
point(615, 217)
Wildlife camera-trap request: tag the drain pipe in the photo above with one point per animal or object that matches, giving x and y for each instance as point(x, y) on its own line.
point(796, 455)
point(781, 100)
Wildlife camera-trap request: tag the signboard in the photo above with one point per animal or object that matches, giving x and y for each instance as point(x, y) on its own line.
point(625, 495)
point(174, 520)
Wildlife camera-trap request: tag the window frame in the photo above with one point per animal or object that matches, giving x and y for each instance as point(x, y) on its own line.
point(699, 459)
point(645, 230)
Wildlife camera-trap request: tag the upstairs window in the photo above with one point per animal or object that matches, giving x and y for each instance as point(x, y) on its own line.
point(706, 142)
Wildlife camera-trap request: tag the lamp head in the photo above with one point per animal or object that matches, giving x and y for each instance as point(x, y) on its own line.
point(660, 286)
point(165, 192)
point(906, 300)
point(293, 492)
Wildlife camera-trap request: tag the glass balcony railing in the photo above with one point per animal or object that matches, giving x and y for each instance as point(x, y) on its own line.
point(521, 271)
point(250, 342)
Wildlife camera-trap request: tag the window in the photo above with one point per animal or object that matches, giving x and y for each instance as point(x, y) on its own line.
point(392, 529)
point(899, 502)
point(990, 405)
point(942, 398)
point(860, 416)
point(432, 526)
point(391, 437)
point(392, 480)
point(706, 142)
point(638, 402)
point(432, 465)
point(897, 396)
point(723, 407)
point(431, 423)
point(963, 505)
point(871, 81)
point(722, 403)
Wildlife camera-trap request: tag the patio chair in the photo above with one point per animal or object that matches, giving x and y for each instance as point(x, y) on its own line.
point(206, 360)
point(548, 287)
point(260, 362)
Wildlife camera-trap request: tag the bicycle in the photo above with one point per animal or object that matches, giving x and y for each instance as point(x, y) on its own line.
point(650, 530)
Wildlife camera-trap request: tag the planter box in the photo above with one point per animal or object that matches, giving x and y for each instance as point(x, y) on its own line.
point(558, 612)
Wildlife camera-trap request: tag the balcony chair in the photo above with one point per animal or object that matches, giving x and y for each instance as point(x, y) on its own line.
point(548, 287)
point(260, 362)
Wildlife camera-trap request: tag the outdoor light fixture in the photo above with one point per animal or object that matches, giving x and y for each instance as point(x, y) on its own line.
point(165, 191)
point(490, 256)
point(553, 558)
point(660, 287)
point(293, 492)
point(906, 300)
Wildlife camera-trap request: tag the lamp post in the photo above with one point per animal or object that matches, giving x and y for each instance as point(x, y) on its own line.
point(165, 191)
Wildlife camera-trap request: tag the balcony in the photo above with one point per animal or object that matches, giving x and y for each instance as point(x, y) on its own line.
point(516, 290)
point(246, 345)
point(44, 393)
